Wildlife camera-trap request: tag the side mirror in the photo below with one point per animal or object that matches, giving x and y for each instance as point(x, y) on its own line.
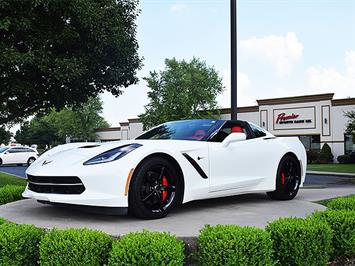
point(6, 152)
point(233, 137)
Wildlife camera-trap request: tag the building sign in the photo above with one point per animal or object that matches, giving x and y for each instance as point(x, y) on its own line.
point(294, 118)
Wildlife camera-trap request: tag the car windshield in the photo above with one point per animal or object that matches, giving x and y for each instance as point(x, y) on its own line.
point(2, 149)
point(198, 130)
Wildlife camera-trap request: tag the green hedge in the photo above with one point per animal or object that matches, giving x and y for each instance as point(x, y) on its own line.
point(344, 203)
point(75, 247)
point(234, 245)
point(2, 221)
point(19, 244)
point(342, 223)
point(300, 241)
point(147, 248)
point(10, 193)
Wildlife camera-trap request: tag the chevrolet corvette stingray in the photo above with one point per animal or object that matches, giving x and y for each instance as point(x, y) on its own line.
point(170, 164)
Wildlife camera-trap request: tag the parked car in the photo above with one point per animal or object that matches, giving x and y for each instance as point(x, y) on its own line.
point(17, 155)
point(173, 163)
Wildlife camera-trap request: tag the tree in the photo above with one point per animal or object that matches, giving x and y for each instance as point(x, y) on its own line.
point(183, 90)
point(5, 136)
point(78, 123)
point(325, 155)
point(350, 128)
point(60, 53)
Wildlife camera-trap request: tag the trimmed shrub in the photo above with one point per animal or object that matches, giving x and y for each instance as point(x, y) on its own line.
point(300, 241)
point(344, 158)
point(10, 193)
point(2, 221)
point(147, 248)
point(234, 245)
point(343, 203)
point(312, 156)
point(19, 244)
point(75, 247)
point(343, 225)
point(325, 155)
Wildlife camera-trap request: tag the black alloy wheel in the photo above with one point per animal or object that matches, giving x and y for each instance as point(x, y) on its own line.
point(155, 189)
point(288, 179)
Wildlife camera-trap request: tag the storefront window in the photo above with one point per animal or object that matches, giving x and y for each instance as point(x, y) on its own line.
point(311, 143)
point(349, 144)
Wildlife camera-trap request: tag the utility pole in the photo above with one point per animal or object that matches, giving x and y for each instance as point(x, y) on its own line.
point(233, 21)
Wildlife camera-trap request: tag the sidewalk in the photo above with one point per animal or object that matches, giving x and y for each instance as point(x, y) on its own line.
point(331, 173)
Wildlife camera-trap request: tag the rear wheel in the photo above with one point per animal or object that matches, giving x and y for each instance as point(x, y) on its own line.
point(288, 179)
point(155, 189)
point(31, 161)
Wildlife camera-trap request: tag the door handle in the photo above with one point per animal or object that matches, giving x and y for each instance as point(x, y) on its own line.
point(200, 158)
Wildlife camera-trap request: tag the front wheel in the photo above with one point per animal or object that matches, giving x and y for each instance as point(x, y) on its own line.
point(156, 188)
point(288, 179)
point(31, 161)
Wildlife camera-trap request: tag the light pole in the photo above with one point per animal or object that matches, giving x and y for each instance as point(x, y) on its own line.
point(233, 20)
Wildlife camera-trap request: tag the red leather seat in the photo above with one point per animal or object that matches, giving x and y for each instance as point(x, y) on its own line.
point(237, 129)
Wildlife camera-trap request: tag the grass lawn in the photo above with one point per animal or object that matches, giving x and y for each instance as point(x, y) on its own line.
point(340, 168)
point(6, 179)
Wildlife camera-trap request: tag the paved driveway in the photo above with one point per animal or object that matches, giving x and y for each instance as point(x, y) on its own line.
point(14, 170)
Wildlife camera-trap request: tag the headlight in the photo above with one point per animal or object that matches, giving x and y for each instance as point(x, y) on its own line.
point(112, 155)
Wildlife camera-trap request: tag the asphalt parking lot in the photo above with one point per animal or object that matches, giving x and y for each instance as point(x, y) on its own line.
point(14, 170)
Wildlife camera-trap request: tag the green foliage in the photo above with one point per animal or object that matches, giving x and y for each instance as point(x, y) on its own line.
point(298, 241)
point(350, 128)
point(184, 90)
point(75, 247)
point(5, 136)
point(342, 223)
point(59, 53)
point(326, 155)
point(9, 193)
point(2, 221)
point(344, 159)
point(343, 203)
point(312, 156)
point(6, 179)
point(234, 245)
point(19, 244)
point(78, 123)
point(147, 248)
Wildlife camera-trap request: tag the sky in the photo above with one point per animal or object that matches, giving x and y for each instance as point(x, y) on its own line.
point(285, 48)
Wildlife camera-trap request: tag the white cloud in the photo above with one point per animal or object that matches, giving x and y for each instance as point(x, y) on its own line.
point(243, 90)
point(327, 79)
point(282, 52)
point(175, 8)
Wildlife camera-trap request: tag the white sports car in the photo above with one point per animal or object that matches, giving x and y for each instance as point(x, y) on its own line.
point(173, 163)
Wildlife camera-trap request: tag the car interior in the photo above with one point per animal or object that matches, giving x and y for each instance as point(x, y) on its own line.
point(231, 127)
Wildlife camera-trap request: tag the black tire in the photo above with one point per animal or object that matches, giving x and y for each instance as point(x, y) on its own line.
point(288, 179)
point(155, 189)
point(0, 161)
point(30, 161)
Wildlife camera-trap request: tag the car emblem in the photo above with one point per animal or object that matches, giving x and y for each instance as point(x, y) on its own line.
point(46, 162)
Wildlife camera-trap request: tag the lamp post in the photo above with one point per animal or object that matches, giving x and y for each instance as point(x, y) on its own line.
point(233, 21)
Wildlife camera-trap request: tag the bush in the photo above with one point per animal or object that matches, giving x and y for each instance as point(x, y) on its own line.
point(10, 193)
point(343, 226)
point(147, 248)
point(75, 247)
point(19, 244)
point(344, 158)
point(312, 156)
point(325, 155)
point(234, 245)
point(2, 221)
point(300, 241)
point(343, 203)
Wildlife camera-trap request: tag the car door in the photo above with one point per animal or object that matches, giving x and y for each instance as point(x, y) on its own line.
point(9, 156)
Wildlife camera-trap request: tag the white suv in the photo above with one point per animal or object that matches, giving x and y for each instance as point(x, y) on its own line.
point(17, 155)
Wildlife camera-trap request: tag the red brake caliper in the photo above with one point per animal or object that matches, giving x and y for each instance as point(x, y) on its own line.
point(165, 183)
point(283, 178)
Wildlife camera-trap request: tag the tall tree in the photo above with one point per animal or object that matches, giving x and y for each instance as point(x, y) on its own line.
point(350, 128)
point(60, 53)
point(5, 136)
point(184, 90)
point(78, 123)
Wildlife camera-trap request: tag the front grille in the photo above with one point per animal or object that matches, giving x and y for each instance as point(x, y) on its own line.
point(55, 184)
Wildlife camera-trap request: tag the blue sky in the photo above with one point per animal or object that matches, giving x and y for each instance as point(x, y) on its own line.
point(285, 47)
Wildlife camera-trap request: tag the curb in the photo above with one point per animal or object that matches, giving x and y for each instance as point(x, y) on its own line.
point(350, 175)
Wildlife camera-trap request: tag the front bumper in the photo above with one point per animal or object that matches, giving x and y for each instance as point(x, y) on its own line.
point(103, 187)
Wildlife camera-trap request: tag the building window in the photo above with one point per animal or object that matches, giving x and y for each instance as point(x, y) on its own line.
point(349, 142)
point(311, 143)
